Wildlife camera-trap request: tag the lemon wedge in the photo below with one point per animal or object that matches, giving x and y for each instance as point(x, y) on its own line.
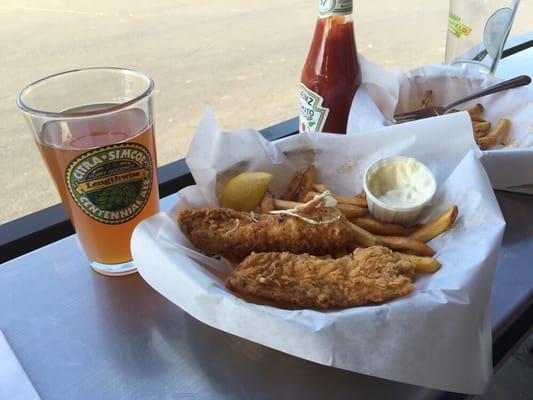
point(245, 191)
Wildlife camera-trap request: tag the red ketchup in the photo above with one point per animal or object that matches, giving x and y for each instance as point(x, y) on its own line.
point(331, 74)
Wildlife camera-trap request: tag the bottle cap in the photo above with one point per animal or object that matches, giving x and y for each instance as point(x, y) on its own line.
point(328, 8)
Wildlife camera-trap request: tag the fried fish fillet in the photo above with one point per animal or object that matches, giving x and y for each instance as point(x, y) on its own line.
point(368, 275)
point(234, 234)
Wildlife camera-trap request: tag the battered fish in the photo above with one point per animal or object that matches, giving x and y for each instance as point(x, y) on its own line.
point(234, 234)
point(368, 275)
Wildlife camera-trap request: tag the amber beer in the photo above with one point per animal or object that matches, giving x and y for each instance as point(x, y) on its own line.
point(107, 190)
point(95, 133)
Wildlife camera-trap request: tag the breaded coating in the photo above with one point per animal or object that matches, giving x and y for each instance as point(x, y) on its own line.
point(368, 275)
point(234, 234)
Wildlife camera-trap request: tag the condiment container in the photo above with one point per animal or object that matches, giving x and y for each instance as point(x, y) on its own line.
point(398, 188)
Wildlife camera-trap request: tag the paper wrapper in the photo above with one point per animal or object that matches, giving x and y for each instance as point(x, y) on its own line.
point(382, 92)
point(439, 336)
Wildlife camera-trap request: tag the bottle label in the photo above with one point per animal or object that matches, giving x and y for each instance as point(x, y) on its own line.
point(111, 184)
point(328, 8)
point(456, 27)
point(312, 114)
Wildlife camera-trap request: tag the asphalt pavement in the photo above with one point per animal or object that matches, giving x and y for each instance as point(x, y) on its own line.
point(242, 58)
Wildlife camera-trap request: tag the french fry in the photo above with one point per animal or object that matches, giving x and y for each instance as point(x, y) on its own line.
point(475, 109)
point(500, 131)
point(401, 243)
point(301, 183)
point(477, 118)
point(427, 265)
point(280, 204)
point(351, 211)
point(363, 237)
point(267, 203)
point(366, 238)
point(453, 110)
point(291, 194)
point(481, 126)
point(320, 187)
point(353, 200)
point(358, 200)
point(487, 141)
point(306, 207)
point(426, 99)
point(481, 129)
point(502, 128)
point(307, 182)
point(380, 228)
point(436, 226)
point(506, 141)
point(309, 196)
point(479, 135)
point(348, 210)
point(397, 243)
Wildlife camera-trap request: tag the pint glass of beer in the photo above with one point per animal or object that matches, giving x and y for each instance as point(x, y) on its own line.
point(94, 130)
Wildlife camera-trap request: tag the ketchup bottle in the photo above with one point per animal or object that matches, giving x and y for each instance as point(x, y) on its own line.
point(331, 74)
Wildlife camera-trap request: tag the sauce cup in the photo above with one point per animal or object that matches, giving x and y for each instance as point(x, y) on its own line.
point(398, 188)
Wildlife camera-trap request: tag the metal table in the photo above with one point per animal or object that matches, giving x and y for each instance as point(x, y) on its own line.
point(80, 335)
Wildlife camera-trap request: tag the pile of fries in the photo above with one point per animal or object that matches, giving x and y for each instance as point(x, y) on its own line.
point(484, 136)
point(411, 240)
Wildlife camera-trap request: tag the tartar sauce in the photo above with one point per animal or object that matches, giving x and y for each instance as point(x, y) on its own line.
point(401, 182)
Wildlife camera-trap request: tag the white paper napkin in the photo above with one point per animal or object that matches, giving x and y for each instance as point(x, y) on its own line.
point(14, 383)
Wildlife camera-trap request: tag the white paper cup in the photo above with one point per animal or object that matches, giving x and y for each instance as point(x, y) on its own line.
point(388, 213)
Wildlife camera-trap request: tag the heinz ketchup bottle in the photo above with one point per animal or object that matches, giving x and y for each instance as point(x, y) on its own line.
point(331, 74)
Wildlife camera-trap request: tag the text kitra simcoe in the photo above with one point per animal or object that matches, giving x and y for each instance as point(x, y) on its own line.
point(87, 165)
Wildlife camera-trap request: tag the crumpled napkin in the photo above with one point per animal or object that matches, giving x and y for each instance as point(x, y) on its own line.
point(439, 336)
point(383, 92)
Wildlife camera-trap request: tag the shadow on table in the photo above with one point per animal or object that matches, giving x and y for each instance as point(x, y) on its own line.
point(238, 368)
point(150, 341)
point(517, 210)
